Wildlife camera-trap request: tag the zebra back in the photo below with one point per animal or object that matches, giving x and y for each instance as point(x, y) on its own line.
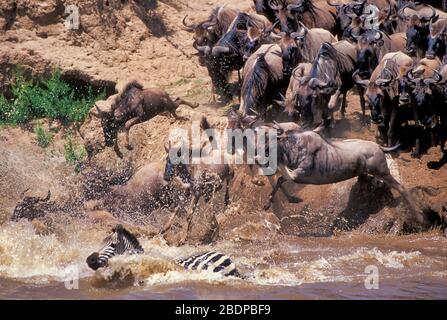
point(211, 261)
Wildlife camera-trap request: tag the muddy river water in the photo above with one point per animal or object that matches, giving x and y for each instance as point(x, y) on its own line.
point(353, 266)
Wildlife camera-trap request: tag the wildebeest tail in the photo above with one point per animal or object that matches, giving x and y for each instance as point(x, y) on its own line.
point(211, 261)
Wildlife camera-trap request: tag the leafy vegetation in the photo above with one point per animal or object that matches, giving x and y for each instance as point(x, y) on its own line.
point(51, 98)
point(44, 138)
point(74, 153)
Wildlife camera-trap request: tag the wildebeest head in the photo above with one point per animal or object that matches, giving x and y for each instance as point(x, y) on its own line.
point(256, 37)
point(438, 81)
point(368, 45)
point(291, 48)
point(302, 98)
point(176, 169)
point(234, 38)
point(377, 89)
point(344, 14)
point(417, 32)
point(437, 39)
point(422, 93)
point(285, 12)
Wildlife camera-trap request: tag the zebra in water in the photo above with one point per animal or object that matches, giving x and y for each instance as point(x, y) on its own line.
point(122, 242)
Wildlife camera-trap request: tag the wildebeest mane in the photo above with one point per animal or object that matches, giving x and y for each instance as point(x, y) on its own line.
point(257, 83)
point(124, 96)
point(342, 61)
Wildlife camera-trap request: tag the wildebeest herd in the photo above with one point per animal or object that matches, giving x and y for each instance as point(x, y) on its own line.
point(304, 56)
point(296, 62)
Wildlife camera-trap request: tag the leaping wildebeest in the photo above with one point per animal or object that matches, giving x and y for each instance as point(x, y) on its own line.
point(202, 180)
point(133, 106)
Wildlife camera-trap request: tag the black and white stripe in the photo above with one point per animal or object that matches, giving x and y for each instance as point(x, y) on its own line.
point(122, 242)
point(119, 242)
point(210, 261)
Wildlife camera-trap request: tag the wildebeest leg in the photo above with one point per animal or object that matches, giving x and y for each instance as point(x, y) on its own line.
point(290, 198)
point(168, 225)
point(191, 212)
point(362, 99)
point(227, 191)
point(392, 125)
point(394, 184)
point(179, 101)
point(278, 185)
point(117, 148)
point(333, 103)
point(128, 126)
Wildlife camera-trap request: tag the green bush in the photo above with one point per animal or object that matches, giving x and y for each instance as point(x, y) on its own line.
point(44, 138)
point(50, 98)
point(74, 153)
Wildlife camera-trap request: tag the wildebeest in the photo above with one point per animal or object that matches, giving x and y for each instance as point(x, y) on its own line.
point(31, 208)
point(231, 45)
point(382, 94)
point(312, 110)
point(302, 46)
point(263, 7)
point(372, 46)
point(331, 74)
point(133, 106)
point(438, 82)
point(147, 190)
point(206, 35)
point(308, 158)
point(418, 29)
point(201, 180)
point(428, 103)
point(313, 14)
point(437, 40)
point(263, 80)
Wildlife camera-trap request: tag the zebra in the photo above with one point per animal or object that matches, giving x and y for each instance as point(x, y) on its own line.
point(122, 242)
point(119, 242)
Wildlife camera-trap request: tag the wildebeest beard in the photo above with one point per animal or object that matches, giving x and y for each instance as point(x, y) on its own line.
point(110, 129)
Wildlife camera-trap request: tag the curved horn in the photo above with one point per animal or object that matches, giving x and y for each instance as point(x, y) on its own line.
point(189, 28)
point(383, 82)
point(437, 78)
point(268, 30)
point(401, 13)
point(206, 25)
point(206, 50)
point(292, 7)
point(329, 2)
point(429, 18)
point(315, 83)
point(358, 80)
point(219, 49)
point(99, 113)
